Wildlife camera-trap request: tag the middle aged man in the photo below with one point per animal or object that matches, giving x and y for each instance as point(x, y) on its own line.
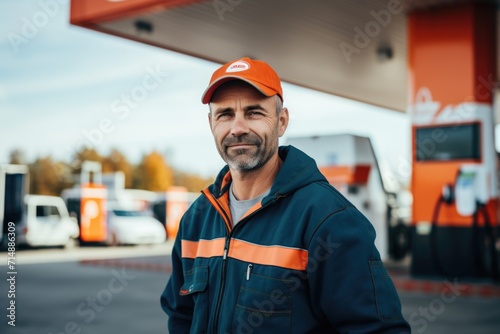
point(271, 247)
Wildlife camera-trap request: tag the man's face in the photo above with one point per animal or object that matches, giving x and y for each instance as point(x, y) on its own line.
point(245, 125)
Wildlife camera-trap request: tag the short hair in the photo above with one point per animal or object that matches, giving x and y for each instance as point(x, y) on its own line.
point(279, 104)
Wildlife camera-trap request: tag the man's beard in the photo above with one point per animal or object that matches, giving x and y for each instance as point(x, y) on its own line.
point(243, 159)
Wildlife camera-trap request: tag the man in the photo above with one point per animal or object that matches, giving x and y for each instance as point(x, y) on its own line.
point(271, 247)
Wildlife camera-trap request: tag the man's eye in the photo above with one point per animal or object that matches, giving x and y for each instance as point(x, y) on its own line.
point(223, 115)
point(254, 113)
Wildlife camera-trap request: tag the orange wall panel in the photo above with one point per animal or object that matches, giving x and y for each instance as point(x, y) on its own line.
point(452, 51)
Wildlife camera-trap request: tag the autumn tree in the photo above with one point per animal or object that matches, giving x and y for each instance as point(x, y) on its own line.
point(193, 182)
point(45, 177)
point(84, 154)
point(153, 173)
point(116, 161)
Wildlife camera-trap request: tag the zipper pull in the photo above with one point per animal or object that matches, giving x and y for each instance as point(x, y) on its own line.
point(224, 256)
point(249, 270)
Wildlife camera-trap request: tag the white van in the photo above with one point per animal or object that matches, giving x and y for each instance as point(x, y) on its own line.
point(46, 222)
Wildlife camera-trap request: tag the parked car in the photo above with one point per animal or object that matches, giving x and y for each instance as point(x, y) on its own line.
point(133, 227)
point(46, 222)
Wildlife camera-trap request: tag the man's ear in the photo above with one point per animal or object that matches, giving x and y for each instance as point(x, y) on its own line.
point(210, 120)
point(210, 116)
point(283, 121)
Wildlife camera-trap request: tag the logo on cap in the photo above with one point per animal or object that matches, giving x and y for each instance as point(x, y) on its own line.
point(238, 66)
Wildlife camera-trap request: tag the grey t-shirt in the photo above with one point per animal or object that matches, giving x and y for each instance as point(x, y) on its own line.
point(239, 208)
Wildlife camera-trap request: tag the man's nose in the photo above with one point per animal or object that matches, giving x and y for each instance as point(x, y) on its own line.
point(239, 126)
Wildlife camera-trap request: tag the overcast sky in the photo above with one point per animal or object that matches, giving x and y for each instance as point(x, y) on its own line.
point(63, 86)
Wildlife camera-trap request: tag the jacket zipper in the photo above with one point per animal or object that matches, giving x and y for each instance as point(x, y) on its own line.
point(221, 286)
point(224, 258)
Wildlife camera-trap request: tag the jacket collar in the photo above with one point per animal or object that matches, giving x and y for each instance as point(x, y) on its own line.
point(297, 171)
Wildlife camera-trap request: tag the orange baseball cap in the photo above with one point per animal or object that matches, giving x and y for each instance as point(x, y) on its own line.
point(255, 72)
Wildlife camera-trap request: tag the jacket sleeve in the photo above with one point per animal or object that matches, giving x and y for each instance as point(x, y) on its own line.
point(349, 284)
point(179, 309)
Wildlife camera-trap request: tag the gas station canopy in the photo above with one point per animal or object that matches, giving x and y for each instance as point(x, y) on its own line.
point(354, 49)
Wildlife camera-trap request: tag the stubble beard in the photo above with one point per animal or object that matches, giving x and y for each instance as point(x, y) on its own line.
point(244, 160)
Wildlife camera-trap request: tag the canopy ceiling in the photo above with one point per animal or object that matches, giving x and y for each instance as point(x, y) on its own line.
point(356, 49)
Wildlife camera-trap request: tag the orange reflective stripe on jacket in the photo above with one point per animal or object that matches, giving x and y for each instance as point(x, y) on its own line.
point(203, 248)
point(271, 255)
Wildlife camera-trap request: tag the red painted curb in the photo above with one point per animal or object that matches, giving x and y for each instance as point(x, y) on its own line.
point(484, 290)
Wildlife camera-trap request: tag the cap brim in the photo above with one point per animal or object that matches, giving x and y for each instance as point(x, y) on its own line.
point(207, 95)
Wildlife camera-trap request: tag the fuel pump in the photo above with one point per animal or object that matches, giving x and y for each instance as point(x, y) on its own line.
point(93, 227)
point(88, 203)
point(469, 195)
point(455, 189)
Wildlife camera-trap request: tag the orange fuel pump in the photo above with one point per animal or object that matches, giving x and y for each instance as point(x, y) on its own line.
point(177, 204)
point(88, 202)
point(455, 190)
